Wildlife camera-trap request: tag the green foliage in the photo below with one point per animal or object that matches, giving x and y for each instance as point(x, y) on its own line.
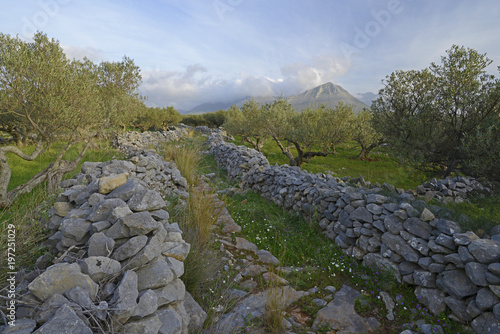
point(194, 120)
point(430, 117)
point(311, 133)
point(44, 95)
point(364, 134)
point(215, 119)
point(247, 123)
point(157, 118)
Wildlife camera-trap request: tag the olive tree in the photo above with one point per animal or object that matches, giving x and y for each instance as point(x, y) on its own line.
point(364, 134)
point(247, 123)
point(311, 133)
point(426, 116)
point(54, 99)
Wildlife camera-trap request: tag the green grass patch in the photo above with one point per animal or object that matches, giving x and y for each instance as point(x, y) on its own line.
point(23, 170)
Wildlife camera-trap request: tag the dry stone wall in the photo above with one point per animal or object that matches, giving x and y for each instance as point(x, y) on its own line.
point(450, 268)
point(116, 259)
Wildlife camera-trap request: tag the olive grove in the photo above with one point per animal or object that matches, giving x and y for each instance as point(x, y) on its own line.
point(48, 98)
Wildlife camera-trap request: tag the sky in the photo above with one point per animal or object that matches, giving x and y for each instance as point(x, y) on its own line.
point(196, 51)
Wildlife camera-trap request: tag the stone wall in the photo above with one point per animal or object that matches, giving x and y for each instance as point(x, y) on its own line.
point(450, 268)
point(116, 259)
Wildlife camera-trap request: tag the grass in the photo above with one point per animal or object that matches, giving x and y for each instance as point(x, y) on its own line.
point(320, 263)
point(186, 156)
point(23, 170)
point(477, 214)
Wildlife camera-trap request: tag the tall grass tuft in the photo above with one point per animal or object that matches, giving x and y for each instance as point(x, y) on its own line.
point(187, 158)
point(197, 221)
point(24, 214)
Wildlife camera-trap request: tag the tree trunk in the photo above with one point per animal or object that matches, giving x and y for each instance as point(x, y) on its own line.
point(6, 198)
point(53, 173)
point(285, 151)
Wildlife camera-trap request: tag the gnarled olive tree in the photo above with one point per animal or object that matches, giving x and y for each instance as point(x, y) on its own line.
point(54, 99)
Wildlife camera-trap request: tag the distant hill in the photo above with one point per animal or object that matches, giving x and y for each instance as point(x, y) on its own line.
point(367, 98)
point(327, 94)
point(210, 107)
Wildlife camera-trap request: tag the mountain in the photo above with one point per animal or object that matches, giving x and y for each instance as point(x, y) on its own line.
point(210, 107)
point(327, 94)
point(367, 98)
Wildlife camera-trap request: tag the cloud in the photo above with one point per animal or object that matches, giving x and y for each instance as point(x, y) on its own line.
point(193, 85)
point(303, 76)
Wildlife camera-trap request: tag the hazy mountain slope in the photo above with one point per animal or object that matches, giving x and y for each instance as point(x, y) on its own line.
point(327, 94)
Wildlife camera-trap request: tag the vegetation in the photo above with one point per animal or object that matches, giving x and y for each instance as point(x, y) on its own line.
point(444, 118)
point(156, 118)
point(45, 96)
point(211, 119)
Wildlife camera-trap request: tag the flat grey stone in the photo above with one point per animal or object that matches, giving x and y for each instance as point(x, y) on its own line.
point(99, 267)
point(130, 248)
point(171, 321)
point(140, 223)
point(155, 274)
point(432, 298)
point(59, 278)
point(125, 296)
point(196, 314)
point(100, 245)
point(456, 283)
point(418, 227)
point(146, 200)
point(102, 210)
point(485, 250)
point(149, 325)
point(64, 321)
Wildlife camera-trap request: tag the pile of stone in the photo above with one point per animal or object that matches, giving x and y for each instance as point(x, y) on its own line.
point(145, 165)
point(451, 189)
point(118, 259)
point(451, 269)
point(132, 141)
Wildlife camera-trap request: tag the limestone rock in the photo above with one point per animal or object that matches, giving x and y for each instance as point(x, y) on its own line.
point(100, 245)
point(432, 298)
point(149, 325)
point(59, 278)
point(130, 248)
point(456, 283)
point(147, 305)
point(98, 267)
point(242, 243)
point(64, 321)
point(125, 296)
point(267, 257)
point(485, 250)
point(155, 274)
point(171, 321)
point(109, 183)
point(140, 223)
point(341, 316)
point(196, 314)
point(146, 200)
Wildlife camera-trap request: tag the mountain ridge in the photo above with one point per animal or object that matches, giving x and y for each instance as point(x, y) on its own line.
point(327, 94)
